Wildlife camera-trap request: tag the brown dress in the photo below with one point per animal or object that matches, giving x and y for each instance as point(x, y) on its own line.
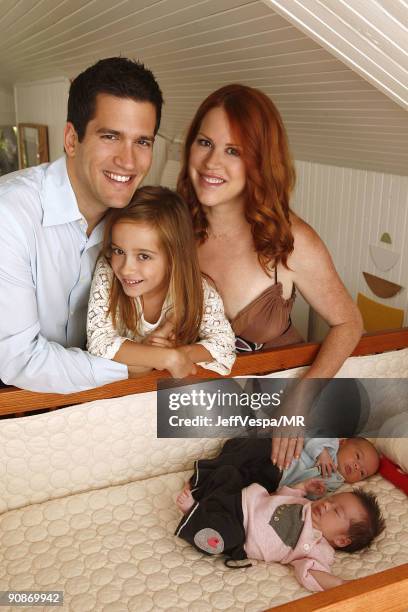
point(265, 322)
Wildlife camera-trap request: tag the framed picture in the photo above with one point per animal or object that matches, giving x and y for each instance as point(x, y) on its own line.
point(32, 144)
point(8, 149)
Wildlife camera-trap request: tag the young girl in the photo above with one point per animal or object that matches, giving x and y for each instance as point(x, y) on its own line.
point(149, 306)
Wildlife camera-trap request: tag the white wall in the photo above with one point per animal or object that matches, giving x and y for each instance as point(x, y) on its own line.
point(44, 102)
point(351, 209)
point(159, 161)
point(7, 110)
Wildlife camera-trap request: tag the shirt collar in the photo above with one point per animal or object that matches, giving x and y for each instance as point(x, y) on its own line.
point(58, 198)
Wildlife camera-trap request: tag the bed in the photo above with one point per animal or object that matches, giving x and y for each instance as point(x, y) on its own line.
point(87, 504)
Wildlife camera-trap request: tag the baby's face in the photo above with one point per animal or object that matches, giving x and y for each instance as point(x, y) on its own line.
point(333, 517)
point(357, 459)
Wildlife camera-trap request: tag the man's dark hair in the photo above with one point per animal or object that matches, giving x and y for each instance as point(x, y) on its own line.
point(362, 533)
point(116, 76)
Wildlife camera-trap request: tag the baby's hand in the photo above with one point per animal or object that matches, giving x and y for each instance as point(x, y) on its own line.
point(312, 486)
point(326, 463)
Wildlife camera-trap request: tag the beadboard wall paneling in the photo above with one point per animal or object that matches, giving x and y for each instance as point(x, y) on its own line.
point(44, 102)
point(368, 35)
point(7, 110)
point(159, 161)
point(333, 114)
point(350, 209)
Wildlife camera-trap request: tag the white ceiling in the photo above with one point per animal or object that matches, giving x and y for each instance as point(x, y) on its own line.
point(332, 113)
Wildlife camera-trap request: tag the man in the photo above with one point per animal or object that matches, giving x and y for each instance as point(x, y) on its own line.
point(51, 227)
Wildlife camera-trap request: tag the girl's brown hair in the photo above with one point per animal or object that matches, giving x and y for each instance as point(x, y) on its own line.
point(166, 212)
point(270, 175)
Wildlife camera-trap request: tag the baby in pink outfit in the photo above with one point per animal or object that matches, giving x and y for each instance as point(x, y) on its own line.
point(283, 527)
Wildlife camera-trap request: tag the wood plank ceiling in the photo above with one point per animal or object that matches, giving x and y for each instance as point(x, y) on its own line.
point(333, 115)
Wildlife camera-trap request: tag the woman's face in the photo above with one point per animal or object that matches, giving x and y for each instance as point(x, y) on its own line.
point(216, 167)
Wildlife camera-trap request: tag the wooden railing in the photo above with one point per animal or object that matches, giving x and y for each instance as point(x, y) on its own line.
point(14, 401)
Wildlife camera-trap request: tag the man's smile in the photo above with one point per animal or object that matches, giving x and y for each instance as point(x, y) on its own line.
point(118, 178)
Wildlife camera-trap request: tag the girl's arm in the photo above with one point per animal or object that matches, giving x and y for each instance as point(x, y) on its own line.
point(215, 349)
point(103, 339)
point(176, 361)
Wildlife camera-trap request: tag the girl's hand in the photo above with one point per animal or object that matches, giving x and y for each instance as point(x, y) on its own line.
point(179, 364)
point(163, 336)
point(159, 341)
point(326, 464)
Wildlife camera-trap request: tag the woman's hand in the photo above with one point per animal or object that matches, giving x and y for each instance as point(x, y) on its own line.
point(284, 450)
point(325, 463)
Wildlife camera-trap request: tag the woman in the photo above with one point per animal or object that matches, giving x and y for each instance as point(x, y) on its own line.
point(237, 177)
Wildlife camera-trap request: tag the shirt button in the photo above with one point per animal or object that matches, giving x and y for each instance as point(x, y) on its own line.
point(71, 312)
point(306, 547)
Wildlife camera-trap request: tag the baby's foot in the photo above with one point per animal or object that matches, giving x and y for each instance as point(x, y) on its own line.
point(185, 500)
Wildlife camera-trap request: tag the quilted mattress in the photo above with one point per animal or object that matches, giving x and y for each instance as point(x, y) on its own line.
point(87, 507)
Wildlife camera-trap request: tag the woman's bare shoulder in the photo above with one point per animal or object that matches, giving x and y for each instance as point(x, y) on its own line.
point(307, 243)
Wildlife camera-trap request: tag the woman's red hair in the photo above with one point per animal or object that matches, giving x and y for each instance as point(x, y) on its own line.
point(270, 176)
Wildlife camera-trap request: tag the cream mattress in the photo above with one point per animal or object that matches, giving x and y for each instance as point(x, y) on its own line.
point(87, 506)
point(114, 550)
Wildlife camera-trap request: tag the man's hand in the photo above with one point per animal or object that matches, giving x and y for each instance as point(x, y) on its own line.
point(325, 463)
point(311, 486)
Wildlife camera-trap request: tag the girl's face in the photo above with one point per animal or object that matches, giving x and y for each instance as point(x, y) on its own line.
point(138, 260)
point(216, 168)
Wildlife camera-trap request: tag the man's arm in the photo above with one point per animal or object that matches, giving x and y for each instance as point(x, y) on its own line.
point(27, 359)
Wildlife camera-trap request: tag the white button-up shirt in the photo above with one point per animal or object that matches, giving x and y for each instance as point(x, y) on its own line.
point(46, 267)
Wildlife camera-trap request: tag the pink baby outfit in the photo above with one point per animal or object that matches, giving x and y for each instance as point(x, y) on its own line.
point(270, 530)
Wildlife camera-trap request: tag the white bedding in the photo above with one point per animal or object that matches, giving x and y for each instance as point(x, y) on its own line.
point(87, 506)
point(114, 549)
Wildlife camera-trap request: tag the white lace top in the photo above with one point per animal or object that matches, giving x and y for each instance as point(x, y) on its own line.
point(103, 340)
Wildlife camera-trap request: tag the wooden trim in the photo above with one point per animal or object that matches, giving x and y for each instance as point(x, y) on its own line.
point(42, 152)
point(386, 591)
point(14, 401)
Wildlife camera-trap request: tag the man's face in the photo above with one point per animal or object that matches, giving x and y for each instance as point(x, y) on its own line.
point(357, 459)
point(114, 156)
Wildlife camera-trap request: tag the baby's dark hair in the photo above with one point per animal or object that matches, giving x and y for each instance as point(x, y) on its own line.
point(362, 533)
